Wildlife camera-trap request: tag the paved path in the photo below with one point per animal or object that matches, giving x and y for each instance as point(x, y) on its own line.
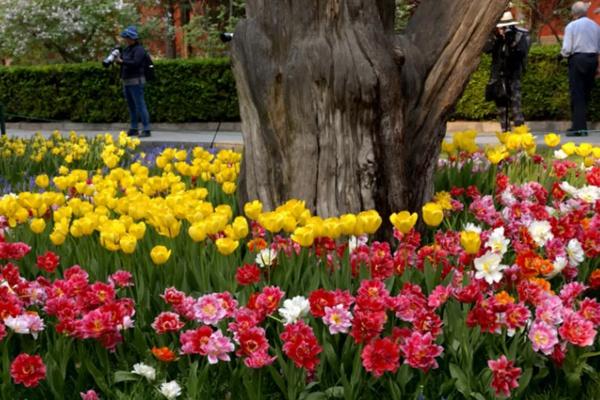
point(234, 138)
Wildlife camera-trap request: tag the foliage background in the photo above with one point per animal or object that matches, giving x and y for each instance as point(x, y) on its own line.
point(185, 91)
point(204, 90)
point(45, 31)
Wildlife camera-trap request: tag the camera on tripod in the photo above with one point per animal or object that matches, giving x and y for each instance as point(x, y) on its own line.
point(112, 56)
point(226, 37)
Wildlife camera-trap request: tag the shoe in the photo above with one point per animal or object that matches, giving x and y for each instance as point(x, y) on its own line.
point(133, 132)
point(145, 134)
point(576, 133)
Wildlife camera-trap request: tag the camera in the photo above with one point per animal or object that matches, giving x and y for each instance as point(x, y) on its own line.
point(226, 37)
point(114, 53)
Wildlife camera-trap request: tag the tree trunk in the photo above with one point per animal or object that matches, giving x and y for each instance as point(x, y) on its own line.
point(340, 111)
point(170, 45)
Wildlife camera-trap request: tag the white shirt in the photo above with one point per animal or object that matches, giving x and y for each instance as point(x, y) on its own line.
point(581, 36)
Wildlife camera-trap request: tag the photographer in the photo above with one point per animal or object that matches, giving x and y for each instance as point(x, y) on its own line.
point(509, 46)
point(132, 60)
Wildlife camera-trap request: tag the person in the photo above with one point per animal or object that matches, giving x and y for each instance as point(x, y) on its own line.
point(509, 46)
point(132, 61)
point(581, 45)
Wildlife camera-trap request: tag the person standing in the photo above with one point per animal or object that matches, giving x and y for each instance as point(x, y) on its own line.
point(509, 46)
point(581, 44)
point(132, 61)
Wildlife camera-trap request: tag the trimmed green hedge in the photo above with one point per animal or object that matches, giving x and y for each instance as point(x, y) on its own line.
point(185, 91)
point(204, 90)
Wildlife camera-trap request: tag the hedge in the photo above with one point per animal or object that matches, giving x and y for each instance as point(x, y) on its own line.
point(184, 91)
point(204, 90)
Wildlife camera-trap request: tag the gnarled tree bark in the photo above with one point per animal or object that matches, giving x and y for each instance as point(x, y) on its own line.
point(339, 110)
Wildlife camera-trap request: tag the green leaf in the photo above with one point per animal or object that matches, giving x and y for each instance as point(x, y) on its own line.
point(462, 382)
point(524, 381)
point(588, 355)
point(278, 379)
point(336, 392)
point(478, 396)
point(316, 396)
point(125, 376)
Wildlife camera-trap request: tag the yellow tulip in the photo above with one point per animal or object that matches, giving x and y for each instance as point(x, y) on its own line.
point(528, 142)
point(181, 155)
point(569, 148)
point(240, 227)
point(433, 214)
point(253, 209)
point(370, 220)
point(229, 187)
point(348, 223)
point(317, 225)
point(470, 241)
point(57, 238)
point(496, 154)
point(87, 225)
point(197, 232)
point(332, 228)
point(215, 223)
point(552, 140)
point(137, 230)
point(589, 162)
point(271, 221)
point(161, 161)
point(514, 142)
point(75, 229)
point(226, 245)
point(444, 200)
point(224, 209)
point(42, 181)
point(502, 136)
point(521, 130)
point(61, 182)
point(403, 221)
point(303, 217)
point(289, 223)
point(160, 254)
point(584, 149)
point(128, 244)
point(304, 236)
point(448, 148)
point(37, 225)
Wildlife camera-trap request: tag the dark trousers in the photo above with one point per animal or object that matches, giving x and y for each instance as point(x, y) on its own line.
point(134, 94)
point(582, 71)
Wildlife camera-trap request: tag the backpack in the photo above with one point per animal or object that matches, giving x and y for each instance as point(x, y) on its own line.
point(149, 68)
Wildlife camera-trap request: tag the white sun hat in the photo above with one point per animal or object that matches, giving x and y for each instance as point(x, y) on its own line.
point(506, 20)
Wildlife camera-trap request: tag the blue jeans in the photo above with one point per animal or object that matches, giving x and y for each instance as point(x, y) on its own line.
point(134, 94)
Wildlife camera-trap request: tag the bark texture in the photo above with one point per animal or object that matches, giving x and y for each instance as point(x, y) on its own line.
point(339, 110)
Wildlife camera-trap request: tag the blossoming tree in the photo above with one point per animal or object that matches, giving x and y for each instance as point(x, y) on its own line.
point(341, 111)
point(75, 30)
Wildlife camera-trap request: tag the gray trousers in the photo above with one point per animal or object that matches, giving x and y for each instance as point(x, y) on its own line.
point(512, 111)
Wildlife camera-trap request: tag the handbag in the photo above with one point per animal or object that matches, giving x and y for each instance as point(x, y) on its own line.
point(496, 91)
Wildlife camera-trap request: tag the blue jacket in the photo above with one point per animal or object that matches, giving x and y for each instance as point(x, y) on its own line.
point(133, 61)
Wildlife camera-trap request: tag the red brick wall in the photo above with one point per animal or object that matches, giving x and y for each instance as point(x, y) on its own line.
point(159, 46)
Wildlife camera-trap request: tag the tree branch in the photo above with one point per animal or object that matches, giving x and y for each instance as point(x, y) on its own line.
point(436, 23)
point(442, 57)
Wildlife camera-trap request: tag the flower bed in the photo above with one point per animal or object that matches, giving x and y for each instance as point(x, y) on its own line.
point(129, 275)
